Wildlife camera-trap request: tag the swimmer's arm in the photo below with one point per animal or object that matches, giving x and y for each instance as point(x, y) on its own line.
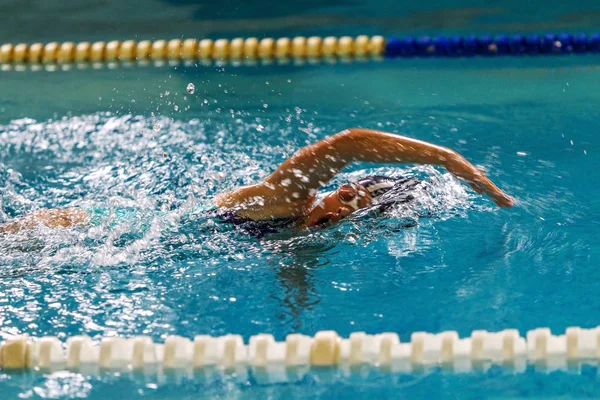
point(382, 147)
point(290, 190)
point(323, 160)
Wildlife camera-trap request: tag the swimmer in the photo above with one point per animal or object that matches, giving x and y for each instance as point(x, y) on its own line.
point(288, 194)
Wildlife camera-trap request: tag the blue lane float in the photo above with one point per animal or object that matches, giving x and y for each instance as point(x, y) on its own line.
point(500, 45)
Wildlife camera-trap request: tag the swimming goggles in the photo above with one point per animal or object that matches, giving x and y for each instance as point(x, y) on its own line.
point(348, 195)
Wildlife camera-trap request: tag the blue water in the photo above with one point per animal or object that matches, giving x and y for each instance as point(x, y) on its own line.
point(134, 139)
point(172, 270)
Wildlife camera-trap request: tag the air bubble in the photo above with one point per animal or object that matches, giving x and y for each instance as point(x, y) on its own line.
point(191, 88)
point(156, 127)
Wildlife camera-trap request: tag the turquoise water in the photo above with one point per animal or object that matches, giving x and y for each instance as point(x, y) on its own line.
point(134, 139)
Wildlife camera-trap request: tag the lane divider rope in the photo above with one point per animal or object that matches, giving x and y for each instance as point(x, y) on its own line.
point(192, 50)
point(299, 353)
point(314, 48)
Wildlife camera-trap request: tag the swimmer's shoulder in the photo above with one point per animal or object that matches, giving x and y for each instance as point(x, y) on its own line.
point(257, 202)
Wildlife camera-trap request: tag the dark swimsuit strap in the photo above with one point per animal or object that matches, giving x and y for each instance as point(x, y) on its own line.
point(255, 228)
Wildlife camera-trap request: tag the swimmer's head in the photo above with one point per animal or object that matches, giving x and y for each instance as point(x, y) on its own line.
point(348, 198)
point(337, 205)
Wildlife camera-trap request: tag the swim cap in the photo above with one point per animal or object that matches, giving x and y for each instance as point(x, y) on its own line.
point(377, 185)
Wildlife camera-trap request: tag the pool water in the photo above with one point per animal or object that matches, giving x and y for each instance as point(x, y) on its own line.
point(134, 139)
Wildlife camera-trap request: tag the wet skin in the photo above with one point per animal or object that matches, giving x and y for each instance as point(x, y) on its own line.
point(291, 189)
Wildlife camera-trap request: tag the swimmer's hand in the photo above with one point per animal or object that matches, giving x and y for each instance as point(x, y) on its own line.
point(50, 218)
point(460, 167)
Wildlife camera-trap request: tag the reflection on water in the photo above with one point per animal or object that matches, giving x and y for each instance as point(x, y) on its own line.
point(295, 275)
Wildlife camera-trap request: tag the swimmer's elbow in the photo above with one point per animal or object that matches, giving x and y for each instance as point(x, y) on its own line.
point(354, 136)
point(347, 142)
point(347, 134)
point(341, 139)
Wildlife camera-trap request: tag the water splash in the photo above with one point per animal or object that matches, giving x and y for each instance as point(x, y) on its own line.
point(155, 252)
point(190, 88)
point(163, 177)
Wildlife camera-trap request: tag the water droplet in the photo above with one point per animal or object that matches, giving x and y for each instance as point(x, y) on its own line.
point(156, 127)
point(176, 108)
point(190, 88)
